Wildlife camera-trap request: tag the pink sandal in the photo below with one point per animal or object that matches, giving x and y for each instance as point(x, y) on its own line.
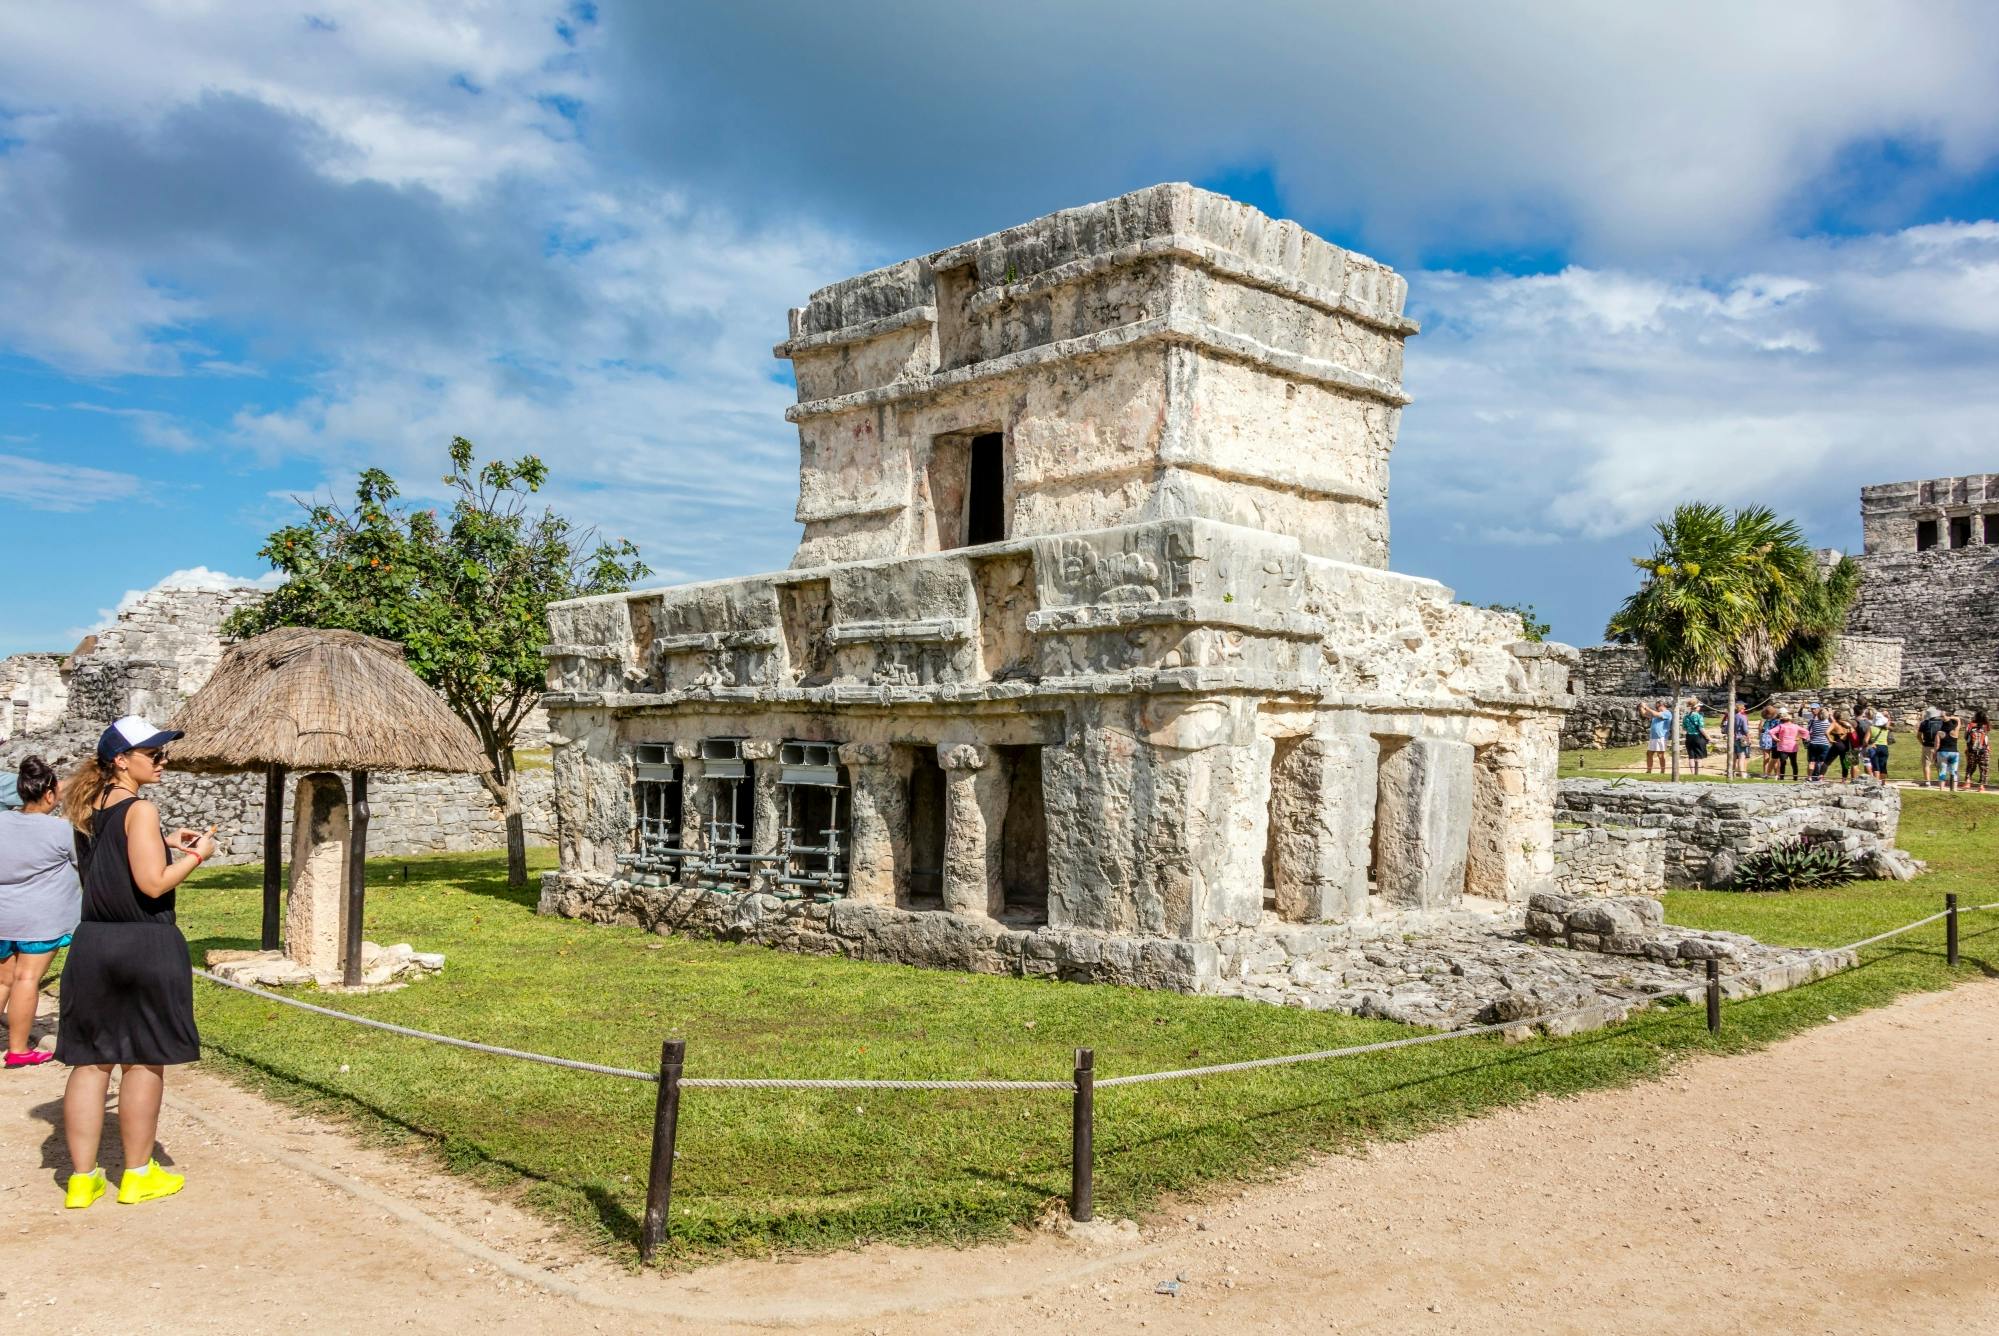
point(29, 1059)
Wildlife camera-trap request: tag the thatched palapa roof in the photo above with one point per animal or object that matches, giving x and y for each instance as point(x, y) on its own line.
point(320, 700)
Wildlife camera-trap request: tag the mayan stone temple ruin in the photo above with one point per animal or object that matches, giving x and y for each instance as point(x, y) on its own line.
point(1090, 662)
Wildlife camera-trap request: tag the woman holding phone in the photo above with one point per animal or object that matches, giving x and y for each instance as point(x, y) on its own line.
point(127, 993)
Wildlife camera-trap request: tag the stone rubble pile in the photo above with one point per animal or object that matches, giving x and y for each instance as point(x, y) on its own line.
point(381, 967)
point(1471, 967)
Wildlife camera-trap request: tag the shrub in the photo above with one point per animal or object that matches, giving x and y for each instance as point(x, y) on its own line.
point(1795, 865)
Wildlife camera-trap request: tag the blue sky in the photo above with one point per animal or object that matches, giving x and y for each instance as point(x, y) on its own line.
point(1739, 253)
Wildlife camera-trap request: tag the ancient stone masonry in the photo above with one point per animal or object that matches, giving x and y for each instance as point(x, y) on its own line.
point(1610, 860)
point(160, 650)
point(33, 693)
point(1709, 828)
point(1089, 655)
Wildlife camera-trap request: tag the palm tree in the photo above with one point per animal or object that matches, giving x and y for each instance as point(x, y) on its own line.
point(1805, 658)
point(1694, 607)
point(1783, 575)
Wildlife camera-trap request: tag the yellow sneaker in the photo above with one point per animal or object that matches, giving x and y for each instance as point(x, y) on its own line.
point(137, 1185)
point(84, 1189)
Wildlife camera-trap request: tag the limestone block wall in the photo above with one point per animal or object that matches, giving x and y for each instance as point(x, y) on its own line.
point(1865, 663)
point(1610, 860)
point(181, 627)
point(1938, 604)
point(1708, 828)
point(33, 693)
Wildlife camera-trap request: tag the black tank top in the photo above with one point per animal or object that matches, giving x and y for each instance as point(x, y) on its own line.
point(109, 893)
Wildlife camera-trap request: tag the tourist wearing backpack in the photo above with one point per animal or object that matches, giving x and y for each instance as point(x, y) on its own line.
point(1927, 733)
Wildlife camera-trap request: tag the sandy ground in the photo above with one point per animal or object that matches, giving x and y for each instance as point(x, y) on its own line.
point(1846, 1180)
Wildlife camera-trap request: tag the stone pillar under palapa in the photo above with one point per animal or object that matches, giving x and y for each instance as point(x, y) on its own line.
point(315, 914)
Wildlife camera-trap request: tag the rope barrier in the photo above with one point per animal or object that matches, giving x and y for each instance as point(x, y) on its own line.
point(372, 1024)
point(1139, 1078)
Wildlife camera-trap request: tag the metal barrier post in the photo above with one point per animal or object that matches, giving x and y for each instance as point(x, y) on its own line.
point(665, 1126)
point(1950, 929)
point(1713, 996)
point(1082, 1138)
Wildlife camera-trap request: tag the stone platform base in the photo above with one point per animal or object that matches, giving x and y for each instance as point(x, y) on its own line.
point(382, 967)
point(1446, 969)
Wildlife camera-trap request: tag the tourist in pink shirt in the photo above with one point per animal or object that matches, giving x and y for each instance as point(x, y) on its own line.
point(1787, 736)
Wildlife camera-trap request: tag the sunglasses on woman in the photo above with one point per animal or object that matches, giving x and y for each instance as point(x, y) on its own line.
point(157, 755)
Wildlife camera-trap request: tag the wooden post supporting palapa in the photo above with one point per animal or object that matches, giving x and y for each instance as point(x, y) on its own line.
point(665, 1129)
point(357, 878)
point(274, 851)
point(1082, 1138)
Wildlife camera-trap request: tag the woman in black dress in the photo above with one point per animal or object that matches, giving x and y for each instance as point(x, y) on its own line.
point(127, 993)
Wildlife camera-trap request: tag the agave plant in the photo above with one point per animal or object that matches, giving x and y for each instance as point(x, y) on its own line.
point(1797, 864)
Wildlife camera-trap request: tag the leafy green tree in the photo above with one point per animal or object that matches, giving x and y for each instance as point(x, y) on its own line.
point(466, 594)
point(1781, 571)
point(1693, 606)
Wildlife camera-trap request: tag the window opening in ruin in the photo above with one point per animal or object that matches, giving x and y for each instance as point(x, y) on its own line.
point(1926, 535)
point(816, 839)
point(656, 805)
point(1960, 531)
point(1023, 836)
point(729, 779)
point(1992, 529)
point(1276, 808)
point(923, 880)
point(985, 493)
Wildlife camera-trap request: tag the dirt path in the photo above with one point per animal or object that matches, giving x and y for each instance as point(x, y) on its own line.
point(1846, 1180)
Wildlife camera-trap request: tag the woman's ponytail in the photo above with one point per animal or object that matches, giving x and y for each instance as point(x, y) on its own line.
point(79, 796)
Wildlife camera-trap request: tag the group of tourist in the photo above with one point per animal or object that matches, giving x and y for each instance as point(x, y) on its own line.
point(86, 864)
point(1807, 744)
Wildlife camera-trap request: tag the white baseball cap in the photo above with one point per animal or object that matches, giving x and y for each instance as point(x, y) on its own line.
point(130, 734)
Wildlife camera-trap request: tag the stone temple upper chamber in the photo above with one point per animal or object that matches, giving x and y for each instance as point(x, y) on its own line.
point(1090, 662)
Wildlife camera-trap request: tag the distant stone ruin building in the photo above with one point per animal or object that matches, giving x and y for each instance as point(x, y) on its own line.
point(1929, 565)
point(158, 651)
point(1089, 662)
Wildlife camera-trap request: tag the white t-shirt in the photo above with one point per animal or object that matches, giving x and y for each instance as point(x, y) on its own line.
point(40, 896)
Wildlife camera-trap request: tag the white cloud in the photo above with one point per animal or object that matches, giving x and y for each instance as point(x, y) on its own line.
point(40, 485)
point(1589, 402)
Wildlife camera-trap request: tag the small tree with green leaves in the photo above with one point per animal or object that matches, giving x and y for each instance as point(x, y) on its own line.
point(1805, 658)
point(466, 594)
point(1693, 605)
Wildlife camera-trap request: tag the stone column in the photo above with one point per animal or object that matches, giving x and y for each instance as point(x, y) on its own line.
point(315, 917)
point(1322, 801)
point(880, 824)
point(974, 807)
point(693, 804)
point(767, 808)
point(1423, 812)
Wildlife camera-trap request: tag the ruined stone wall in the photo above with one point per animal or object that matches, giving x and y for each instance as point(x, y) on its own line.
point(33, 694)
point(1610, 860)
point(1941, 605)
point(1710, 827)
point(181, 627)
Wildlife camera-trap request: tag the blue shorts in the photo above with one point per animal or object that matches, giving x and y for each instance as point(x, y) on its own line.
point(15, 947)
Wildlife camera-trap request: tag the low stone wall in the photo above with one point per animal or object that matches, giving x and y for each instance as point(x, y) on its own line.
point(1603, 721)
point(1610, 860)
point(932, 939)
point(1708, 828)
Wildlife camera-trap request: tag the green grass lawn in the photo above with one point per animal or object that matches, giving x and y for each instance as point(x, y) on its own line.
point(773, 1169)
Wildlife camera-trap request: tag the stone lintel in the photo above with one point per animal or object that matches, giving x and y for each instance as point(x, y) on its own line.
point(1163, 330)
point(863, 332)
point(932, 630)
